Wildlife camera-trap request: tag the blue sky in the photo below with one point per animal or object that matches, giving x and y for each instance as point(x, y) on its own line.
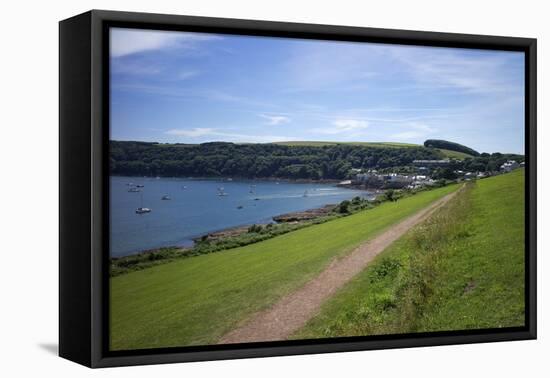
point(194, 88)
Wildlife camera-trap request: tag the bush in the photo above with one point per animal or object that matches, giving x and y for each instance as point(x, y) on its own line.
point(255, 228)
point(390, 195)
point(343, 208)
point(386, 267)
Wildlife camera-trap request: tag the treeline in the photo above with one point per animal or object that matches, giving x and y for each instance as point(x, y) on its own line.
point(438, 143)
point(257, 160)
point(486, 162)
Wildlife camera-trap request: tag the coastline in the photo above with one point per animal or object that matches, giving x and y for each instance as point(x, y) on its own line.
point(187, 240)
point(295, 217)
point(245, 234)
point(236, 178)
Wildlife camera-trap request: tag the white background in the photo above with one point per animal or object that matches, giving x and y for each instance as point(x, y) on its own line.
point(29, 186)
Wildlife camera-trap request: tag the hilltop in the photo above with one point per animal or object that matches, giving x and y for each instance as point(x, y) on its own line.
point(447, 149)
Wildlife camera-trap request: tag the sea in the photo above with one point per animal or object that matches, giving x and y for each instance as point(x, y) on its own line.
point(194, 207)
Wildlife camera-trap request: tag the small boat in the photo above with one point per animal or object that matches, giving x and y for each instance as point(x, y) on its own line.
point(130, 183)
point(134, 190)
point(140, 186)
point(141, 209)
point(166, 198)
point(221, 193)
point(184, 187)
point(256, 199)
point(240, 207)
point(305, 194)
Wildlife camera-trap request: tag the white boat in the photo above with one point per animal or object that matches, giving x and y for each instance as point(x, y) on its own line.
point(141, 209)
point(166, 198)
point(134, 190)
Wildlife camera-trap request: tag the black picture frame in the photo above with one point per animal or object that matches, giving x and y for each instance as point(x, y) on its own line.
point(84, 199)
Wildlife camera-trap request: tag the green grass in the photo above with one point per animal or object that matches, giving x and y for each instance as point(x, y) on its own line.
point(365, 144)
point(461, 269)
point(195, 301)
point(454, 154)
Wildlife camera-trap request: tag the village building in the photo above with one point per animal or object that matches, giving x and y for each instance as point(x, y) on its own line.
point(431, 163)
point(509, 166)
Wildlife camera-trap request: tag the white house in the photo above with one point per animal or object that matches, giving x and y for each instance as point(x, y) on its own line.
point(509, 166)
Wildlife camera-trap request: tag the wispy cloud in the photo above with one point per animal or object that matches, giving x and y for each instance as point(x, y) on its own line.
point(131, 41)
point(184, 75)
point(471, 73)
point(192, 133)
point(212, 134)
point(414, 131)
point(182, 93)
point(275, 119)
point(350, 124)
point(342, 126)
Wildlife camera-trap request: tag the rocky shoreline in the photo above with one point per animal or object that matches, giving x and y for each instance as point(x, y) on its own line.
point(292, 217)
point(300, 216)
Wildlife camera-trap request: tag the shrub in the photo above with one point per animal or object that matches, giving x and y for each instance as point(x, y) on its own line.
point(343, 208)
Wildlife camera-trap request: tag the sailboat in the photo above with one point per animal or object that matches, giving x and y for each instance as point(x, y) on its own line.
point(221, 193)
point(141, 209)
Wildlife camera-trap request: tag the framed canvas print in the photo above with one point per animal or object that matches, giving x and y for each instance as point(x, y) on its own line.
point(234, 188)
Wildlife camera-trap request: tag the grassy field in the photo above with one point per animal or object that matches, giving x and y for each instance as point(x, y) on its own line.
point(462, 269)
point(454, 154)
point(196, 300)
point(366, 144)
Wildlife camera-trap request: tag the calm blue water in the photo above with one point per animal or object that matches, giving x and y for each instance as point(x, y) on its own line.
point(196, 209)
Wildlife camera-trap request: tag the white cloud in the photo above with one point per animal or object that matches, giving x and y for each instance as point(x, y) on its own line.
point(415, 131)
point(344, 126)
point(130, 41)
point(184, 75)
point(211, 134)
point(183, 93)
point(350, 124)
point(450, 68)
point(275, 119)
point(193, 133)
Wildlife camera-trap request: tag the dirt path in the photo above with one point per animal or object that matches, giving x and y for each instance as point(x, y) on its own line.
point(292, 312)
